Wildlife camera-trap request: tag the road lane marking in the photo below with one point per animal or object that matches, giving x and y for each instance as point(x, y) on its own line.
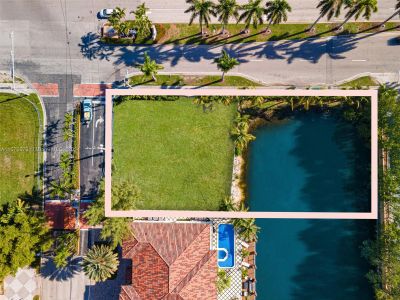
point(358, 60)
point(256, 60)
point(94, 118)
point(101, 120)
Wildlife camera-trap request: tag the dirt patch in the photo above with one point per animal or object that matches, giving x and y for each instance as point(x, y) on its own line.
point(6, 163)
point(169, 33)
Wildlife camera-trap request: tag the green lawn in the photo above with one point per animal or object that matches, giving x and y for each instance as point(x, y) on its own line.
point(196, 80)
point(179, 156)
point(19, 129)
point(189, 34)
point(361, 82)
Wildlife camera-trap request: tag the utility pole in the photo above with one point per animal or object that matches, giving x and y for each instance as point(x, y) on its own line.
point(12, 59)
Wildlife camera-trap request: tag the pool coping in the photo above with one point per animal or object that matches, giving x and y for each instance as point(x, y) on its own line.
point(109, 93)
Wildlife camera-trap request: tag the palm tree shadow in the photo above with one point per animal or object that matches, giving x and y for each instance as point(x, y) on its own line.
point(176, 41)
point(208, 83)
point(50, 271)
point(33, 198)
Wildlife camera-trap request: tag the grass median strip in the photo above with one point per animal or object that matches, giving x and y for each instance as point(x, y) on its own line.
point(364, 81)
point(179, 155)
point(189, 34)
point(192, 80)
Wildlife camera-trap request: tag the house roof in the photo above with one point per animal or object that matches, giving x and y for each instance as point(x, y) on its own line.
point(170, 261)
point(60, 215)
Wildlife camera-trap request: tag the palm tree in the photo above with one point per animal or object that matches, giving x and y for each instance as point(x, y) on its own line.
point(100, 263)
point(150, 67)
point(358, 8)
point(253, 14)
point(276, 12)
point(242, 137)
point(65, 161)
point(223, 281)
point(201, 9)
point(206, 102)
point(225, 63)
point(328, 8)
point(247, 229)
point(396, 13)
point(142, 21)
point(116, 16)
point(226, 9)
point(57, 189)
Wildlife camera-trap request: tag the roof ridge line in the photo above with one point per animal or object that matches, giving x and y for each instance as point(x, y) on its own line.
point(178, 288)
point(206, 225)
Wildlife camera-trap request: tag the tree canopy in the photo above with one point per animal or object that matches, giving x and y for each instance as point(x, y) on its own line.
point(23, 234)
point(125, 196)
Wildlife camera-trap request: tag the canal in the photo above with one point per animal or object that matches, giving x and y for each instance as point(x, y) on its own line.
point(311, 162)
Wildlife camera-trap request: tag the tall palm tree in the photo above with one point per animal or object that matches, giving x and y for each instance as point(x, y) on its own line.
point(277, 11)
point(242, 137)
point(150, 67)
point(328, 8)
point(252, 14)
point(396, 13)
point(203, 9)
point(359, 8)
point(100, 263)
point(247, 228)
point(225, 10)
point(226, 63)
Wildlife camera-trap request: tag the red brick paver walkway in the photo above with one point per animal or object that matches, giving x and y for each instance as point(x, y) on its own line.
point(46, 89)
point(91, 89)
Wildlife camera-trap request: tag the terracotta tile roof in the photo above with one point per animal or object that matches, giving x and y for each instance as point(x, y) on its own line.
point(170, 261)
point(60, 215)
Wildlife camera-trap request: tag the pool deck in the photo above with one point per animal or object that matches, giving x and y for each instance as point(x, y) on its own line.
point(251, 260)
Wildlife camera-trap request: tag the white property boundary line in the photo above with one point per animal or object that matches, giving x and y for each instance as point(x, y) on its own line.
point(373, 94)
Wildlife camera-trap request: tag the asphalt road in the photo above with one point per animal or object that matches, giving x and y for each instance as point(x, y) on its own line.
point(160, 10)
point(60, 37)
point(91, 152)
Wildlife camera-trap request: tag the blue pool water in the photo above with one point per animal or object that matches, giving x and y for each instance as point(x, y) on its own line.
point(226, 246)
point(310, 164)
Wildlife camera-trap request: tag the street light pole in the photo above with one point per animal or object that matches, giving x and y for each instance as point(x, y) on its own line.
point(12, 58)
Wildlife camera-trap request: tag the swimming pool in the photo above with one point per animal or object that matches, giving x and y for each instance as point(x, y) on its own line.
point(226, 246)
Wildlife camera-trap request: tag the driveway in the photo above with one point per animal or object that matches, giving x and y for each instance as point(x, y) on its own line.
point(72, 284)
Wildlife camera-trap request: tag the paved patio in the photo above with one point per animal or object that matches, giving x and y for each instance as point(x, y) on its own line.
point(24, 285)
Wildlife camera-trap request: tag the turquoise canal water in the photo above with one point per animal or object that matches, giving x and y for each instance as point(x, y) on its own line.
point(313, 162)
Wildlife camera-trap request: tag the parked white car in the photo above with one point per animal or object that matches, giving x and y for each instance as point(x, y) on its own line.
point(106, 12)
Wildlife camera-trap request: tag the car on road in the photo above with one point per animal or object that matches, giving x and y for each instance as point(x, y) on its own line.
point(86, 110)
point(106, 12)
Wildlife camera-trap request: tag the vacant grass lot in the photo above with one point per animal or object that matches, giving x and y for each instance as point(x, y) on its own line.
point(195, 80)
point(19, 129)
point(179, 156)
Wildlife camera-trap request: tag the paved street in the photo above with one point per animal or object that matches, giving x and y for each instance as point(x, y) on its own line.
point(160, 10)
point(91, 154)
